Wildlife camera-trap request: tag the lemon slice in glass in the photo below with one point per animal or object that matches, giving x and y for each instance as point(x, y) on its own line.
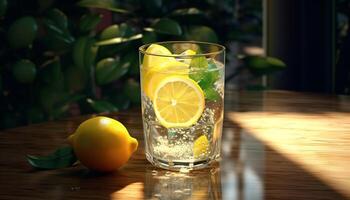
point(200, 146)
point(155, 68)
point(150, 61)
point(178, 101)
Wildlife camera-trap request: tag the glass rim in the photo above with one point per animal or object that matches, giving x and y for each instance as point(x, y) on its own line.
point(142, 49)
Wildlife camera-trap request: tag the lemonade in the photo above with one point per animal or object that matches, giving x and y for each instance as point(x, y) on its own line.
point(182, 90)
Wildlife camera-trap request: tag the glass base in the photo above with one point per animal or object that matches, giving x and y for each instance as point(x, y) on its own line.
point(177, 165)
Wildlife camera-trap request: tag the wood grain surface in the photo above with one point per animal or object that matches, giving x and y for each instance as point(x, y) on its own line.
point(276, 145)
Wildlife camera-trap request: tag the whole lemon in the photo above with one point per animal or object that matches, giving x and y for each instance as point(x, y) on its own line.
point(102, 144)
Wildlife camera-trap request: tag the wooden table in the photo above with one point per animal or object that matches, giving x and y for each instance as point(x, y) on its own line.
point(276, 145)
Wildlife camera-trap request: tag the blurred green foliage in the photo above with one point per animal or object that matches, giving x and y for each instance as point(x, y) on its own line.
point(56, 58)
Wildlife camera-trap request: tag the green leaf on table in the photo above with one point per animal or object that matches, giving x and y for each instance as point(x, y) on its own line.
point(104, 4)
point(62, 157)
point(110, 32)
point(201, 33)
point(167, 26)
point(101, 106)
point(89, 22)
point(109, 70)
point(118, 40)
point(263, 65)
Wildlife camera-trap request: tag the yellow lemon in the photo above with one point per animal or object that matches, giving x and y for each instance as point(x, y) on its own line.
point(200, 147)
point(102, 144)
point(178, 101)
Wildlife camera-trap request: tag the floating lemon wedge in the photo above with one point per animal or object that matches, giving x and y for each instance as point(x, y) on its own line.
point(200, 146)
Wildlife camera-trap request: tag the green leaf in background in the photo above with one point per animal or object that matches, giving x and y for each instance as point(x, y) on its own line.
point(201, 33)
point(89, 22)
point(104, 4)
point(118, 40)
point(101, 105)
point(78, 51)
point(15, 35)
point(84, 52)
point(58, 37)
point(132, 91)
point(109, 70)
point(90, 54)
point(3, 7)
point(62, 157)
point(110, 32)
point(263, 65)
point(149, 37)
point(59, 18)
point(167, 26)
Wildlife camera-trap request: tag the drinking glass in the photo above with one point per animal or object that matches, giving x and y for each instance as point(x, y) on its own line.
point(182, 91)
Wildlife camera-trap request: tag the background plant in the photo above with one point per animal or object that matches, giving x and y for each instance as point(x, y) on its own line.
point(59, 58)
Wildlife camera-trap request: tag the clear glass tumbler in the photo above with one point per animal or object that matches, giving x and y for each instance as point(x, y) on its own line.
point(182, 91)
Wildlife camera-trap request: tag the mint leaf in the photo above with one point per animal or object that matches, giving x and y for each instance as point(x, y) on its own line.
point(211, 94)
point(62, 157)
point(198, 66)
point(206, 74)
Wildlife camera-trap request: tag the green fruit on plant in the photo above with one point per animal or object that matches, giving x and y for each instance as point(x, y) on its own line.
point(22, 32)
point(24, 71)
